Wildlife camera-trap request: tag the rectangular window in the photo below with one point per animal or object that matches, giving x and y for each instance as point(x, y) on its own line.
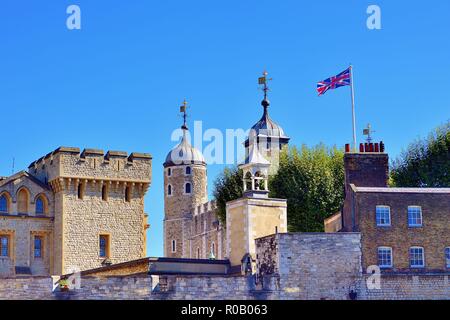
point(416, 257)
point(385, 257)
point(174, 246)
point(383, 216)
point(104, 246)
point(38, 247)
point(447, 256)
point(4, 246)
point(414, 216)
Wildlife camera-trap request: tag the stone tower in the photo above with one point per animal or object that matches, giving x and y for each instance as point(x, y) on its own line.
point(269, 136)
point(185, 184)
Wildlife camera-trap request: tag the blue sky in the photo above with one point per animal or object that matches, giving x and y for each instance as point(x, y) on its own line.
point(116, 84)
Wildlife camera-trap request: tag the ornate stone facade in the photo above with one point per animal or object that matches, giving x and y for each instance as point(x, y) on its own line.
point(74, 210)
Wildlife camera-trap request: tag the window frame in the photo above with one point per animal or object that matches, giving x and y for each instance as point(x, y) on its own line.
point(385, 266)
point(190, 188)
point(173, 248)
point(4, 196)
point(186, 171)
point(41, 249)
point(107, 245)
point(447, 257)
point(389, 215)
point(8, 245)
point(416, 266)
point(421, 217)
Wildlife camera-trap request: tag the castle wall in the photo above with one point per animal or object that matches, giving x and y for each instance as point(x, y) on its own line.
point(311, 265)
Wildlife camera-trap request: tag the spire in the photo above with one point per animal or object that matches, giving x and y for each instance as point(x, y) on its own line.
point(263, 81)
point(183, 110)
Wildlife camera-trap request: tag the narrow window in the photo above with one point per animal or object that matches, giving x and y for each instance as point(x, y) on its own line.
point(385, 257)
point(38, 247)
point(4, 246)
point(416, 257)
point(104, 193)
point(198, 253)
point(187, 188)
point(3, 204)
point(169, 190)
point(104, 246)
point(23, 200)
point(383, 216)
point(169, 172)
point(414, 216)
point(127, 194)
point(447, 256)
point(188, 170)
point(40, 206)
point(80, 191)
point(174, 246)
point(213, 248)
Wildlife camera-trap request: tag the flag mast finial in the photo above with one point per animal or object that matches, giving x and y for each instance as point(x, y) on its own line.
point(183, 110)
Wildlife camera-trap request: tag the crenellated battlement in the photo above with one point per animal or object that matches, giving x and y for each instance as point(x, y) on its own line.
point(205, 207)
point(93, 165)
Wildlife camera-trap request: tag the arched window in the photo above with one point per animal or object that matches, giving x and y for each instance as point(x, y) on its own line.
point(169, 172)
point(127, 194)
point(40, 205)
point(188, 170)
point(169, 190)
point(104, 193)
point(4, 204)
point(187, 188)
point(80, 191)
point(23, 200)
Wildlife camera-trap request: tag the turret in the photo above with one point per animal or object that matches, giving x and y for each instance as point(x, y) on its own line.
point(185, 182)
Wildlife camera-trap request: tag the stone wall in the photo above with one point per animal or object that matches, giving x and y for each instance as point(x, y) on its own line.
point(311, 266)
point(30, 288)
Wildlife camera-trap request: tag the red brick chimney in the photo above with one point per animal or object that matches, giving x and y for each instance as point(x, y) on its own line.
point(367, 168)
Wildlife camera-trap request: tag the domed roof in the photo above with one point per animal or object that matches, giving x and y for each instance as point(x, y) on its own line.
point(266, 126)
point(184, 154)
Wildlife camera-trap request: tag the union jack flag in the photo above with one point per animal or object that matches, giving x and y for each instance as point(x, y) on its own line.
point(341, 80)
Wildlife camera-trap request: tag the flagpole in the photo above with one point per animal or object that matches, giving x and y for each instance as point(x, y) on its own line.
point(353, 108)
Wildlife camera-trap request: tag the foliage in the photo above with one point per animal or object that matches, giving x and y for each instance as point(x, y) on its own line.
point(227, 187)
point(426, 162)
point(312, 181)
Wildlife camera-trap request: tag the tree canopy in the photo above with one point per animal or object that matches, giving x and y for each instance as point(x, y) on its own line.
point(426, 162)
point(311, 179)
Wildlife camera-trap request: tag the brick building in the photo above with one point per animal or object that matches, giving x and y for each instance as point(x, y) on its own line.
point(403, 230)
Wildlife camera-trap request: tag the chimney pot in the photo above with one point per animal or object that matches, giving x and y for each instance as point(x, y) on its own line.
point(347, 148)
point(361, 147)
point(377, 147)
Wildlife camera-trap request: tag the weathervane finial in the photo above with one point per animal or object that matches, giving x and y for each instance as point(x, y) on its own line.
point(183, 110)
point(368, 132)
point(263, 81)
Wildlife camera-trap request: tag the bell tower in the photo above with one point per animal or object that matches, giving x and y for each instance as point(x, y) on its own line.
point(185, 183)
point(254, 215)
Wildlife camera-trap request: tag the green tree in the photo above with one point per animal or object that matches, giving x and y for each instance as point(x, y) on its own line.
point(312, 181)
point(426, 162)
point(227, 186)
